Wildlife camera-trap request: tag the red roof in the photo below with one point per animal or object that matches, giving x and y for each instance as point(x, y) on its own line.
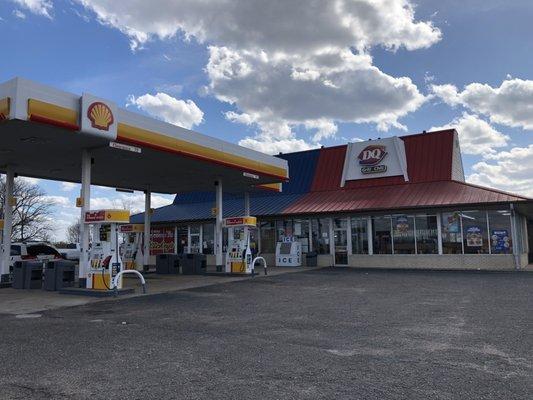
point(429, 158)
point(404, 196)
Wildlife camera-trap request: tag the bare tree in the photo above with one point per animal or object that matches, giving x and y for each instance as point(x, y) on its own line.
point(31, 213)
point(73, 232)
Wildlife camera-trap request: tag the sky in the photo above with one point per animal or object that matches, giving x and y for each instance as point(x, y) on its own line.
point(291, 75)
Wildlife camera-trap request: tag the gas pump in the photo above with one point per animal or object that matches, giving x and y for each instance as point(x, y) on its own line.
point(132, 249)
point(239, 247)
point(104, 257)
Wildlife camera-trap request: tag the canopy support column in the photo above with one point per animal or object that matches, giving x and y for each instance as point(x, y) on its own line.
point(86, 165)
point(218, 226)
point(8, 225)
point(147, 228)
point(247, 204)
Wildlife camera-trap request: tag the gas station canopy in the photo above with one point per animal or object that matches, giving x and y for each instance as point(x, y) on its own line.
point(44, 131)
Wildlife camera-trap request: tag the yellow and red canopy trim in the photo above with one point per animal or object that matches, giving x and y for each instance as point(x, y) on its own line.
point(142, 137)
point(40, 111)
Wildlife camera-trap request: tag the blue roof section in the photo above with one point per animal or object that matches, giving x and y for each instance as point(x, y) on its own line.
point(259, 206)
point(302, 166)
point(194, 206)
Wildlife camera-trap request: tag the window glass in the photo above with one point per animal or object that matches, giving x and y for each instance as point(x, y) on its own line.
point(500, 232)
point(475, 237)
point(268, 237)
point(320, 231)
point(183, 239)
point(451, 233)
point(208, 233)
point(301, 231)
point(359, 236)
point(195, 229)
point(403, 228)
point(41, 249)
point(284, 228)
point(15, 251)
point(427, 237)
point(381, 233)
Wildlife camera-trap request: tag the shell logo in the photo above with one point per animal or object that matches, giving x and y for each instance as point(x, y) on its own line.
point(100, 116)
point(372, 155)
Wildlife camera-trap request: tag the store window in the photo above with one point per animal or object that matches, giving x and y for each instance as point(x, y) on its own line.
point(301, 232)
point(320, 231)
point(427, 236)
point(475, 235)
point(500, 232)
point(195, 245)
point(451, 233)
point(382, 235)
point(208, 238)
point(359, 235)
point(403, 228)
point(268, 237)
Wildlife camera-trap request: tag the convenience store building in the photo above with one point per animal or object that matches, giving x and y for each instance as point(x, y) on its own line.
point(399, 202)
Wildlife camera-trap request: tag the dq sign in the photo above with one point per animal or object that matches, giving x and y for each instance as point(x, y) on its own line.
point(370, 157)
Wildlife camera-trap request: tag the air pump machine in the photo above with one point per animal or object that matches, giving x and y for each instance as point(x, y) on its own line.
point(239, 250)
point(133, 247)
point(104, 256)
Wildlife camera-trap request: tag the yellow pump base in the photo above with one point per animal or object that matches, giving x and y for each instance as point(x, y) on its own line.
point(101, 282)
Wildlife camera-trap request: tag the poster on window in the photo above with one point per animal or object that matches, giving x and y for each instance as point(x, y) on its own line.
point(474, 238)
point(500, 241)
point(161, 241)
point(402, 224)
point(452, 223)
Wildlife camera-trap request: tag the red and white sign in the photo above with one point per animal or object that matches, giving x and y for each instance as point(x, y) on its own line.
point(375, 159)
point(95, 216)
point(372, 155)
point(162, 241)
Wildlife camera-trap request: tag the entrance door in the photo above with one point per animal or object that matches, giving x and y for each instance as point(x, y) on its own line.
point(340, 241)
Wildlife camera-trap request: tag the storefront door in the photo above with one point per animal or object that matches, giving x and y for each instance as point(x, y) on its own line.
point(340, 241)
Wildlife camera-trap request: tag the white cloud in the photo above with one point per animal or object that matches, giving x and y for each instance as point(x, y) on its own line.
point(19, 14)
point(31, 181)
point(269, 60)
point(184, 113)
point(38, 7)
point(134, 202)
point(510, 104)
point(508, 170)
point(69, 186)
point(274, 26)
point(60, 201)
point(476, 136)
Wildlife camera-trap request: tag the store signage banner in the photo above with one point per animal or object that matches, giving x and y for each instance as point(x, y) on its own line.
point(161, 241)
point(375, 159)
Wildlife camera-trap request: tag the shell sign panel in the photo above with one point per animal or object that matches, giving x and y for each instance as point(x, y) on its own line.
point(98, 117)
point(375, 159)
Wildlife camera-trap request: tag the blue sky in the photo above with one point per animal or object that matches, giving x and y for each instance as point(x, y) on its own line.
point(418, 65)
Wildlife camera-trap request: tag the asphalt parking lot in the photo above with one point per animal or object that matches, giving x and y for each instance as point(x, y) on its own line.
point(323, 334)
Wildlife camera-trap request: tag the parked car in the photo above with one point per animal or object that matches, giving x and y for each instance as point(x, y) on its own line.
point(33, 251)
point(70, 252)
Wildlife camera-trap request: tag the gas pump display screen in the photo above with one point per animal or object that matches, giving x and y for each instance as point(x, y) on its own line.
point(285, 248)
point(105, 230)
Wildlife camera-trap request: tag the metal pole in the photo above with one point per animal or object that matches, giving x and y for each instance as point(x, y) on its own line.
point(85, 206)
point(8, 225)
point(147, 222)
point(218, 226)
point(247, 203)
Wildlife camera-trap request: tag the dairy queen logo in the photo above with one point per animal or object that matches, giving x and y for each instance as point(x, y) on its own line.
point(370, 157)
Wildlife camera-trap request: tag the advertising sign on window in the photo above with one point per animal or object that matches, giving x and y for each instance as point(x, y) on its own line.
point(162, 241)
point(500, 241)
point(474, 238)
